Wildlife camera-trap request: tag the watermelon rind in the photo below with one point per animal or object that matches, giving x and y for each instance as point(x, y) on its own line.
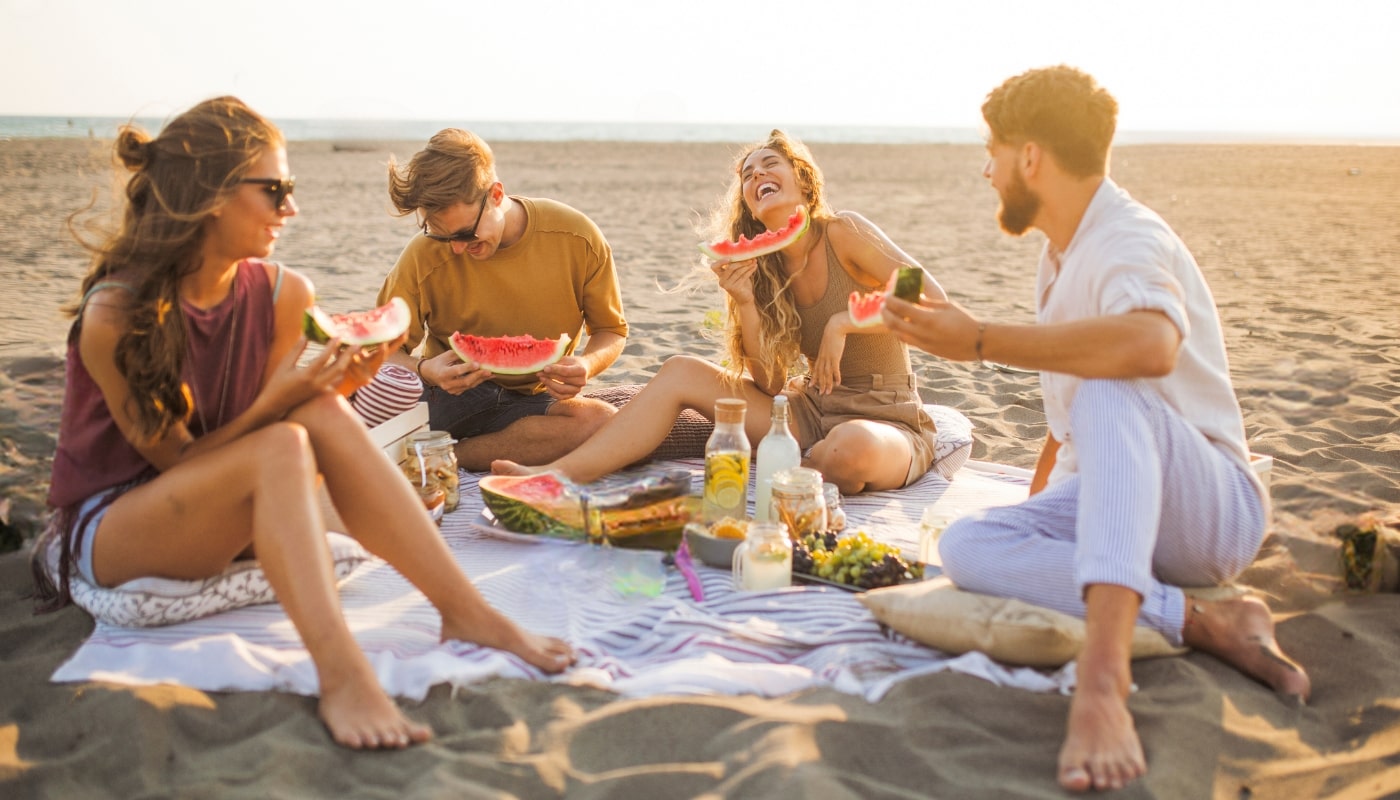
point(865, 308)
point(908, 284)
point(501, 354)
point(762, 244)
point(357, 329)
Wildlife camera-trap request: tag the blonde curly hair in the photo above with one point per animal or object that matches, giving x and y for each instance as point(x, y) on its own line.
point(779, 338)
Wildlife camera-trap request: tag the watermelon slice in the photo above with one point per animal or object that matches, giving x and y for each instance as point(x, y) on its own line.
point(357, 329)
point(762, 244)
point(509, 355)
point(865, 308)
point(540, 504)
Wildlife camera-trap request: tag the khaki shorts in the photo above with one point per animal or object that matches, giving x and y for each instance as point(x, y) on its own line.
point(890, 399)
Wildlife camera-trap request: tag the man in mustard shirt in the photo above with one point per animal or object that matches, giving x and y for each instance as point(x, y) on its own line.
point(492, 264)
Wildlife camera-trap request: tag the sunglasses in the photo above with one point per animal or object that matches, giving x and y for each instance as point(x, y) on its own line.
point(279, 188)
point(465, 235)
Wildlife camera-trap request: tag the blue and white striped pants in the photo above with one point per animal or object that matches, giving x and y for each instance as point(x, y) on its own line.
point(1154, 507)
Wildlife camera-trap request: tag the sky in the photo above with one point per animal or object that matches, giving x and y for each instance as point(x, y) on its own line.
point(1283, 68)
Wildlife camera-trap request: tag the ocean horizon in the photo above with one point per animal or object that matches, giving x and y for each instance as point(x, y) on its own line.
point(361, 130)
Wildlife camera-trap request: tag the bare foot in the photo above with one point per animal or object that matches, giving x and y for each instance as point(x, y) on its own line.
point(1240, 632)
point(1101, 749)
point(502, 467)
point(360, 715)
point(545, 653)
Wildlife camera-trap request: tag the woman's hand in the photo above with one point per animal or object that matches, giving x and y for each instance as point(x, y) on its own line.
point(291, 384)
point(736, 278)
point(365, 363)
point(826, 372)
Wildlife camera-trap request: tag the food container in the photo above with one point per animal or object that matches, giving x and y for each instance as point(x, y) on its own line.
point(714, 551)
point(430, 460)
point(799, 501)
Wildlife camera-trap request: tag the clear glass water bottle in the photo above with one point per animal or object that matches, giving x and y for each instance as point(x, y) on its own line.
point(727, 463)
point(777, 451)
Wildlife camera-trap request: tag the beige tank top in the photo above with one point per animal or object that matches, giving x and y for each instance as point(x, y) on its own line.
point(866, 353)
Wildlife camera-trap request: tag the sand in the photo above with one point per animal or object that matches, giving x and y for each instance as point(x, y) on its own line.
point(1298, 243)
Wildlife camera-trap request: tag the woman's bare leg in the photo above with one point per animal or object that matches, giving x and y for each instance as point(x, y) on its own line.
point(381, 510)
point(193, 520)
point(683, 382)
point(862, 455)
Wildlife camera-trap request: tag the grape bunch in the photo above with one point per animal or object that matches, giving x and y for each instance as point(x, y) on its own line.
point(855, 560)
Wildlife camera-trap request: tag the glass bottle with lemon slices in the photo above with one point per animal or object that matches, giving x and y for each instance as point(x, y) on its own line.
point(727, 463)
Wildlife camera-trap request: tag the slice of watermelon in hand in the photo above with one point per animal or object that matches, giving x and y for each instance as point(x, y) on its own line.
point(762, 244)
point(864, 308)
point(509, 355)
point(357, 329)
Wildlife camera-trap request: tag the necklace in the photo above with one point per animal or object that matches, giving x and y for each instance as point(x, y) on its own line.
point(223, 383)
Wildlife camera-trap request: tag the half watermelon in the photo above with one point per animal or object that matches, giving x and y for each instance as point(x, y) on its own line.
point(357, 329)
point(509, 355)
point(762, 244)
point(865, 308)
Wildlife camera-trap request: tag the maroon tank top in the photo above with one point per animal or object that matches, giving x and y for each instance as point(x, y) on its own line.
point(228, 352)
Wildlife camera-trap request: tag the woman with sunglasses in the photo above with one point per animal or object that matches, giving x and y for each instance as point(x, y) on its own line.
point(191, 435)
point(856, 410)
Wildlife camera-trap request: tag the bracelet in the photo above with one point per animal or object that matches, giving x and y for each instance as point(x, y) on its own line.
point(418, 368)
point(981, 329)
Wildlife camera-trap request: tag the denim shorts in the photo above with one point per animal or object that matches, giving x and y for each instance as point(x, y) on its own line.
point(83, 537)
point(486, 408)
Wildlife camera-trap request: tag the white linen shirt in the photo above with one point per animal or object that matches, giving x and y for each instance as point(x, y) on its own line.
point(1123, 258)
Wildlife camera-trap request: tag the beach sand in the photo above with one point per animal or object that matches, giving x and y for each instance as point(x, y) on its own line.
point(1299, 244)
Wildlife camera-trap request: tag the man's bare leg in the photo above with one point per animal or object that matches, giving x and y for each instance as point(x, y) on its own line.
point(1240, 632)
point(537, 439)
point(1101, 748)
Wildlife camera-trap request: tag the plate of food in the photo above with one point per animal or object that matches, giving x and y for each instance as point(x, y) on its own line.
point(854, 562)
point(488, 525)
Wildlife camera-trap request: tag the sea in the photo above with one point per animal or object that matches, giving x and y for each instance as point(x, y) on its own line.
point(350, 130)
point(15, 127)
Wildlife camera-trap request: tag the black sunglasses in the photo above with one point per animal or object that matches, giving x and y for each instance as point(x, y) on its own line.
point(466, 235)
point(279, 188)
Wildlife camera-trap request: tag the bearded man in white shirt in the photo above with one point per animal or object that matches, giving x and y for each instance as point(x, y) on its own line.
point(1144, 485)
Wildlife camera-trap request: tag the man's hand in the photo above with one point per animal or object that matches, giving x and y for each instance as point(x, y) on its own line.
point(938, 327)
point(565, 378)
point(449, 373)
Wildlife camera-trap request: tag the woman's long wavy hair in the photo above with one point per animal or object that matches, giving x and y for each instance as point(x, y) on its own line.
point(779, 338)
point(178, 180)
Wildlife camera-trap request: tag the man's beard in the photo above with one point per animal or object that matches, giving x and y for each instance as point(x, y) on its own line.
point(1019, 206)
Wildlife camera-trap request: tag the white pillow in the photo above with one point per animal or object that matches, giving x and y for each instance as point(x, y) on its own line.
point(953, 443)
point(150, 602)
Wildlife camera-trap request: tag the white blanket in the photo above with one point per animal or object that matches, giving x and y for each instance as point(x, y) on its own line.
point(768, 643)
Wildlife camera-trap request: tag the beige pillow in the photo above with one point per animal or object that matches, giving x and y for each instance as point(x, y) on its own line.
point(944, 617)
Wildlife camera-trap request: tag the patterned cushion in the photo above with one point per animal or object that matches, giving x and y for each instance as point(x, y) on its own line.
point(393, 391)
point(687, 437)
point(149, 602)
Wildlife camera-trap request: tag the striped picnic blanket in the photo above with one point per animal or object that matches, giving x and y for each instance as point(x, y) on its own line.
point(768, 643)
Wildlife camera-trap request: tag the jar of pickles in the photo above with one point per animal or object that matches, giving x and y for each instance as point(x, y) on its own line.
point(799, 502)
point(429, 460)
